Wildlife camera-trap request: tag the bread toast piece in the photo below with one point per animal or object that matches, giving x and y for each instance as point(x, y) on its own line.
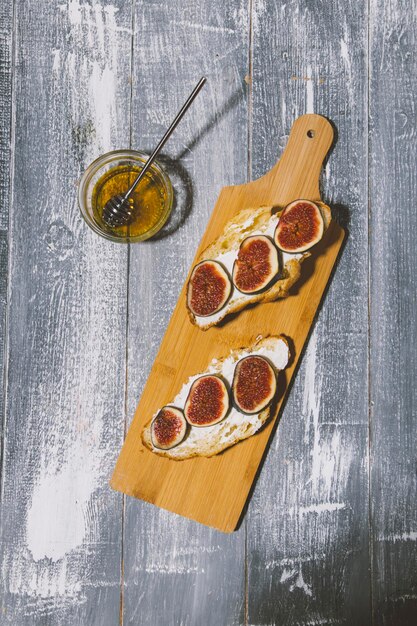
point(236, 425)
point(248, 222)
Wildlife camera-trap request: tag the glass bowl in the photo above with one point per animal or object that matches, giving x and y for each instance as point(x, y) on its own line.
point(113, 173)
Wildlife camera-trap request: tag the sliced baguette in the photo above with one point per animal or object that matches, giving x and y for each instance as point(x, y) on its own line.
point(244, 224)
point(236, 425)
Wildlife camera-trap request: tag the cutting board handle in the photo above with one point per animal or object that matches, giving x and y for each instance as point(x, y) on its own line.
point(214, 491)
point(310, 139)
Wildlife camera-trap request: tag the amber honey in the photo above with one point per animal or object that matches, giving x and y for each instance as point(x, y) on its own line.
point(149, 199)
point(113, 174)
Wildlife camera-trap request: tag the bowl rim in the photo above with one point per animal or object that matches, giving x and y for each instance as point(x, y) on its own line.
point(94, 167)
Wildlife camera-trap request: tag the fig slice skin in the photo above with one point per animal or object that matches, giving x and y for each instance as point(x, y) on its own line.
point(256, 265)
point(208, 401)
point(254, 384)
point(300, 227)
point(168, 428)
point(209, 288)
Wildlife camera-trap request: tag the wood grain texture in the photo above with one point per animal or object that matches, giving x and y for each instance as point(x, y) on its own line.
point(393, 199)
point(214, 491)
point(176, 571)
point(6, 30)
point(307, 526)
point(60, 524)
point(302, 554)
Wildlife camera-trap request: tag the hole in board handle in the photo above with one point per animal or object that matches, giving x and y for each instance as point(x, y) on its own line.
point(311, 133)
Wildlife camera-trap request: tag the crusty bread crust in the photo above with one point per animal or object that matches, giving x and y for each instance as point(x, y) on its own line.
point(233, 234)
point(238, 433)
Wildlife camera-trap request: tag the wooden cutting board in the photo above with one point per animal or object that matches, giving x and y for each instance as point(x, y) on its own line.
point(214, 490)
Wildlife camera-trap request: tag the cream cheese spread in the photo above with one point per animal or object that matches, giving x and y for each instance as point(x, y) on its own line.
point(228, 258)
point(278, 355)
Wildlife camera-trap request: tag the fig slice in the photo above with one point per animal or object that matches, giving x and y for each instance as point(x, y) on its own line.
point(256, 264)
point(168, 428)
point(300, 227)
point(207, 402)
point(254, 384)
point(208, 289)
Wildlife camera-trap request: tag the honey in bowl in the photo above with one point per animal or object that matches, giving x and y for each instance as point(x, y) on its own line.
point(113, 174)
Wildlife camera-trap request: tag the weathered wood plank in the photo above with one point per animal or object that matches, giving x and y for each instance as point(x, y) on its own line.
point(6, 27)
point(393, 199)
point(307, 524)
point(61, 524)
point(177, 572)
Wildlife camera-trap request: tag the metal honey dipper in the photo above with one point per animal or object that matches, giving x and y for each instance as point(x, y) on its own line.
point(119, 210)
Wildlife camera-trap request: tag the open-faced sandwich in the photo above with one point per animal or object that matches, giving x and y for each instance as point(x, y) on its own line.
point(229, 402)
point(256, 259)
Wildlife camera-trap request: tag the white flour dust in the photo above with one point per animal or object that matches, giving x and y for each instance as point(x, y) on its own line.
point(47, 561)
point(330, 456)
point(296, 581)
point(91, 78)
point(57, 516)
point(309, 90)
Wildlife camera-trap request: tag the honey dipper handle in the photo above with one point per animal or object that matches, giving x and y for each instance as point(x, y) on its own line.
point(167, 135)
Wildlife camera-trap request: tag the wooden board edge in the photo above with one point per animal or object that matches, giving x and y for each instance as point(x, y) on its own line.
point(338, 237)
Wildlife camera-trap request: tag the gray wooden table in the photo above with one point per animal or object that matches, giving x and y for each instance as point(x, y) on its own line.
point(330, 534)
